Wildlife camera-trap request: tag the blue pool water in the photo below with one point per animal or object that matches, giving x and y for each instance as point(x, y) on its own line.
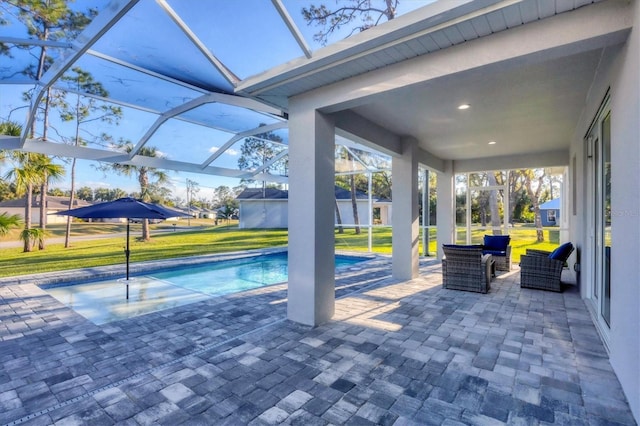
point(104, 301)
point(217, 279)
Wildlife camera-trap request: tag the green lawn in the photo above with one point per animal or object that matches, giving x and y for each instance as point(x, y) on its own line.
point(206, 239)
point(110, 251)
point(523, 237)
point(79, 227)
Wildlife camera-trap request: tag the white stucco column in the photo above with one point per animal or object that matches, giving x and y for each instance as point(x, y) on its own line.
point(446, 207)
point(404, 193)
point(311, 216)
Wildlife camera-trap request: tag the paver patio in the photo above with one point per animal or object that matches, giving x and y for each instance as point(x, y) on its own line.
point(395, 353)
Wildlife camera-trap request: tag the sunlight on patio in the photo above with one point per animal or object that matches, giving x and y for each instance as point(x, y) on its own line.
point(374, 305)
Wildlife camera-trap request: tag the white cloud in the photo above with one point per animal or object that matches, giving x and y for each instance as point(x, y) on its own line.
point(230, 151)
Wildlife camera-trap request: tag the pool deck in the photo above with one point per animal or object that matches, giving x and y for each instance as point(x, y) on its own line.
point(395, 353)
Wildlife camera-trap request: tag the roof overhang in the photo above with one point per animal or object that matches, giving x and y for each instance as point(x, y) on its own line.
point(527, 82)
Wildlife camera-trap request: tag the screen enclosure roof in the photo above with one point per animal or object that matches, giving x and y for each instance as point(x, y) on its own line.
point(170, 67)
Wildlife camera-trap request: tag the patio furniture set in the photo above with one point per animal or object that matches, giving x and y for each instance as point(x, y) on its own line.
point(471, 267)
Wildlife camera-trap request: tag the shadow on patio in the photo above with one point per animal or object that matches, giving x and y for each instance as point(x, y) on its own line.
point(395, 353)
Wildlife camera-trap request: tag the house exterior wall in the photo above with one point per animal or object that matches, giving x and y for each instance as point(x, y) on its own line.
point(619, 71)
point(52, 218)
point(35, 215)
point(346, 212)
point(274, 213)
point(263, 214)
point(385, 214)
point(544, 216)
point(625, 179)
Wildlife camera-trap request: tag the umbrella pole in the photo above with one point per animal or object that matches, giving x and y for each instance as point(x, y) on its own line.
point(126, 254)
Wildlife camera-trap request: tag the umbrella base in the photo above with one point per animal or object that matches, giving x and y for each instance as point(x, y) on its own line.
point(127, 281)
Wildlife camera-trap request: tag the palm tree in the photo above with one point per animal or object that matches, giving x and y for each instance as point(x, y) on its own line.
point(144, 174)
point(25, 176)
point(7, 222)
point(10, 128)
point(30, 169)
point(48, 172)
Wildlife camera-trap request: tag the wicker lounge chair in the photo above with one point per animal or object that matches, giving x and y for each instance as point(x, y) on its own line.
point(498, 246)
point(466, 268)
point(542, 270)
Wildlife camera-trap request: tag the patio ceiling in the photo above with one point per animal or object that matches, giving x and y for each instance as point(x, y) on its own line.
point(525, 109)
point(177, 74)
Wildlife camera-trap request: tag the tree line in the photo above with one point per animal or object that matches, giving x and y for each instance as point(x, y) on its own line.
point(526, 190)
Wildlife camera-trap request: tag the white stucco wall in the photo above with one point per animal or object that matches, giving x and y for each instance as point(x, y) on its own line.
point(35, 215)
point(385, 214)
point(274, 213)
point(625, 227)
point(619, 71)
point(346, 212)
point(264, 214)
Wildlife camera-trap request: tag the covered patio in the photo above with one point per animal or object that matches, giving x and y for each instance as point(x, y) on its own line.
point(545, 84)
point(396, 352)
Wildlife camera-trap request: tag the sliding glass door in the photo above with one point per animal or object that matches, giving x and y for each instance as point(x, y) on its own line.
point(599, 214)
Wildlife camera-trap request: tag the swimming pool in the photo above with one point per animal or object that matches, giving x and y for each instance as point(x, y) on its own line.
point(104, 301)
point(236, 275)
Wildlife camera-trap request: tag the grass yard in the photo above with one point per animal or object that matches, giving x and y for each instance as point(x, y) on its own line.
point(523, 237)
point(110, 251)
point(204, 238)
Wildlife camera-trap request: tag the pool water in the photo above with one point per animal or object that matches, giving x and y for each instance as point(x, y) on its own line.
point(217, 279)
point(104, 301)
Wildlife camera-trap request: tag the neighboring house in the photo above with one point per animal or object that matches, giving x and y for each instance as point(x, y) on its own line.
point(550, 213)
point(207, 214)
point(193, 211)
point(263, 208)
point(54, 205)
point(381, 208)
point(268, 208)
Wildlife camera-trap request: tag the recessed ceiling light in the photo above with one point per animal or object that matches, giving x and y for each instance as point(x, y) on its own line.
point(492, 142)
point(464, 106)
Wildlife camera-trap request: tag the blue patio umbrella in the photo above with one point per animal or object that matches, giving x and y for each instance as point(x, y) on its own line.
point(124, 208)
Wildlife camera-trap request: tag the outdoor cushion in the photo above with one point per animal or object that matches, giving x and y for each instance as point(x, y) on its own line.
point(496, 242)
point(495, 252)
point(562, 252)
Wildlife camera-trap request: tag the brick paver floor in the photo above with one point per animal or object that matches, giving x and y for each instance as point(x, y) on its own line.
point(395, 353)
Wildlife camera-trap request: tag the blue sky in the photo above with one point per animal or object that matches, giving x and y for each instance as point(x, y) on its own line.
point(131, 128)
point(240, 33)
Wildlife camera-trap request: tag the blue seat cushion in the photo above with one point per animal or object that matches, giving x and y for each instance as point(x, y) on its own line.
point(496, 242)
point(562, 252)
point(495, 252)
